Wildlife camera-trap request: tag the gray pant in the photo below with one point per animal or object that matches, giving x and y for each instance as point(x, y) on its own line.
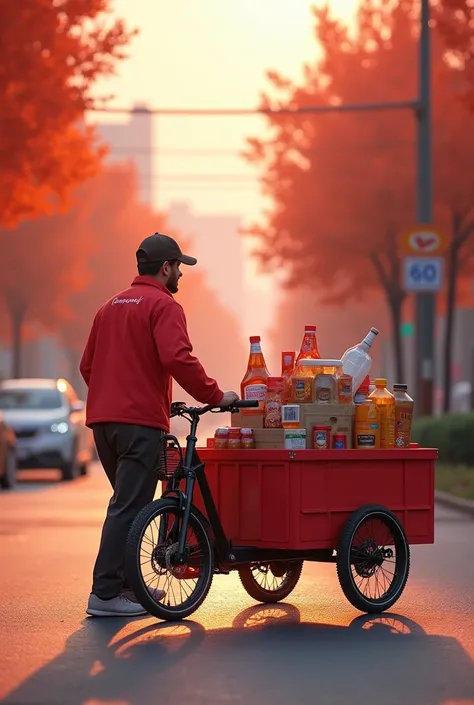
point(129, 455)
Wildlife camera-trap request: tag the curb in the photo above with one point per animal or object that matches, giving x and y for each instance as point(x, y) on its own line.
point(448, 500)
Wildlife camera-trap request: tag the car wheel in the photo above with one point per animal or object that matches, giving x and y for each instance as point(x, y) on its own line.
point(83, 469)
point(8, 480)
point(70, 469)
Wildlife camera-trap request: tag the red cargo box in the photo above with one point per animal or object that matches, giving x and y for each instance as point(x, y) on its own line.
point(301, 499)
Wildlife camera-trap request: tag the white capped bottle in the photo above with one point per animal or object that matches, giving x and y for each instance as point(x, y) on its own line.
point(356, 361)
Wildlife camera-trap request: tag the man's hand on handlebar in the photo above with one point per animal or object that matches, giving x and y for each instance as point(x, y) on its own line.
point(228, 399)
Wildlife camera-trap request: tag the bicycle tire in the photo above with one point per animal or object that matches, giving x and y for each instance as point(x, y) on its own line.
point(344, 562)
point(133, 561)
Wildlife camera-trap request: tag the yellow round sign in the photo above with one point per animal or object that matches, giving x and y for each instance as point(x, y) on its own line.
point(424, 241)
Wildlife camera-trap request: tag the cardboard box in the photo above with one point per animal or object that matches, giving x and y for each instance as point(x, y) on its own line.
point(270, 438)
point(247, 420)
point(339, 416)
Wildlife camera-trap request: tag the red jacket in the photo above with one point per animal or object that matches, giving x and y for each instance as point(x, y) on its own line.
point(138, 343)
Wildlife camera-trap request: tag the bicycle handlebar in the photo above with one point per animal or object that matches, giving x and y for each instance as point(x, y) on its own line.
point(178, 408)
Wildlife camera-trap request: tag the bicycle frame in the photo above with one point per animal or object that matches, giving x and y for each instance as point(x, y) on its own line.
point(227, 556)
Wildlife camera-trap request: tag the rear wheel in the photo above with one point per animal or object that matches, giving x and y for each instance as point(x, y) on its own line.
point(373, 559)
point(8, 481)
point(270, 582)
point(151, 560)
point(83, 469)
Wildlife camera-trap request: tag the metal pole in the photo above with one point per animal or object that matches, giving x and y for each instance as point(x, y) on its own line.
point(425, 302)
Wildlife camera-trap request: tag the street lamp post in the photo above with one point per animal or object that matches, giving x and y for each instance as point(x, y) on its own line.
point(425, 301)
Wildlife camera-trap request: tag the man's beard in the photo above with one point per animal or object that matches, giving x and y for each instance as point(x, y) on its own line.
point(172, 284)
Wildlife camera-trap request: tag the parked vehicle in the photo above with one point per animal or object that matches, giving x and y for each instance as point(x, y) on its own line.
point(48, 419)
point(8, 464)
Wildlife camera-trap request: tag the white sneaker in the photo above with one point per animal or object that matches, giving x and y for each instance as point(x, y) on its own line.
point(119, 606)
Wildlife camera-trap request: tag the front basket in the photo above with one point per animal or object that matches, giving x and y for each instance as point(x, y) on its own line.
point(170, 459)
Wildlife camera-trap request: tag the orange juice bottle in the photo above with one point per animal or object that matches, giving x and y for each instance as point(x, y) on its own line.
point(385, 402)
point(367, 425)
point(287, 367)
point(255, 382)
point(309, 345)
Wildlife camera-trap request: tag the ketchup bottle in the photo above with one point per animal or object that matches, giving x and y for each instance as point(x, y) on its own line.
point(255, 382)
point(309, 346)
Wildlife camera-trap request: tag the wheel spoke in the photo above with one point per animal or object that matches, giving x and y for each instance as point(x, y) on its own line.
point(157, 567)
point(377, 560)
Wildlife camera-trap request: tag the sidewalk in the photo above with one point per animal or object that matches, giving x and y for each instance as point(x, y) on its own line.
point(448, 500)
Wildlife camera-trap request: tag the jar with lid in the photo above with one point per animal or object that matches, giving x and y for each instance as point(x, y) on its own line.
point(246, 439)
point(302, 381)
point(233, 442)
point(274, 402)
point(325, 382)
point(221, 438)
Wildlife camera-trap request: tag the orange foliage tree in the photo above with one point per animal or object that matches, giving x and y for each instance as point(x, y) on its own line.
point(52, 55)
point(42, 261)
point(343, 185)
point(455, 22)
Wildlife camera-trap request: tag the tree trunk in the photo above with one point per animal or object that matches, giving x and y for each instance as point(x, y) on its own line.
point(395, 302)
point(17, 320)
point(74, 376)
point(453, 267)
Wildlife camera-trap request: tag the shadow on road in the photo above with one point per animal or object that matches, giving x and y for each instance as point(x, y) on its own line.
point(267, 656)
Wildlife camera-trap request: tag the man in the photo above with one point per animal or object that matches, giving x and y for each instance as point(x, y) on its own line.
point(138, 343)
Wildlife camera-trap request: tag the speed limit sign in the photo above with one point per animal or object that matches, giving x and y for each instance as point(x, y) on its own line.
point(423, 273)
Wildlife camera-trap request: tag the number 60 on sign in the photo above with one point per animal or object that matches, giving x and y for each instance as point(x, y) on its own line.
point(423, 273)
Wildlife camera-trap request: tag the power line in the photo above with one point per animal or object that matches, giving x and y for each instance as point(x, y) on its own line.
point(210, 152)
point(241, 112)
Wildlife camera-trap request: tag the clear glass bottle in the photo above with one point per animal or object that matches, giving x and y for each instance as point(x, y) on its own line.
point(356, 361)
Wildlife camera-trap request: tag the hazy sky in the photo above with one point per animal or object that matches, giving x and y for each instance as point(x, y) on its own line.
point(210, 53)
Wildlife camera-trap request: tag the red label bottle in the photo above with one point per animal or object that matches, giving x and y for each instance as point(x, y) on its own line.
point(255, 382)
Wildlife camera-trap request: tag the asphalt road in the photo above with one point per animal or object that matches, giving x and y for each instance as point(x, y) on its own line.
point(313, 649)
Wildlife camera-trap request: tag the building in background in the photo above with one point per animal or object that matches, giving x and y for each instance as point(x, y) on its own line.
point(133, 141)
point(225, 256)
point(217, 245)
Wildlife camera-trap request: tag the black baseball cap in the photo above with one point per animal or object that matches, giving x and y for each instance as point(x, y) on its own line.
point(162, 248)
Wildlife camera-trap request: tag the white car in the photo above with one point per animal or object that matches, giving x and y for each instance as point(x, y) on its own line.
point(48, 419)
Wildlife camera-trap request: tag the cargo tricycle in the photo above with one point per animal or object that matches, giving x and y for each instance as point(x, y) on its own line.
point(263, 513)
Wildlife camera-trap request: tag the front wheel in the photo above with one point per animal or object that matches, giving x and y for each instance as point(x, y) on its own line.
point(151, 560)
point(373, 559)
point(270, 582)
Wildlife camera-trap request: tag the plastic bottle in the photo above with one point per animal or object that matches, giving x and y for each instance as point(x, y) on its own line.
point(255, 382)
point(309, 345)
point(287, 367)
point(273, 403)
point(356, 361)
point(367, 425)
point(385, 402)
point(403, 415)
